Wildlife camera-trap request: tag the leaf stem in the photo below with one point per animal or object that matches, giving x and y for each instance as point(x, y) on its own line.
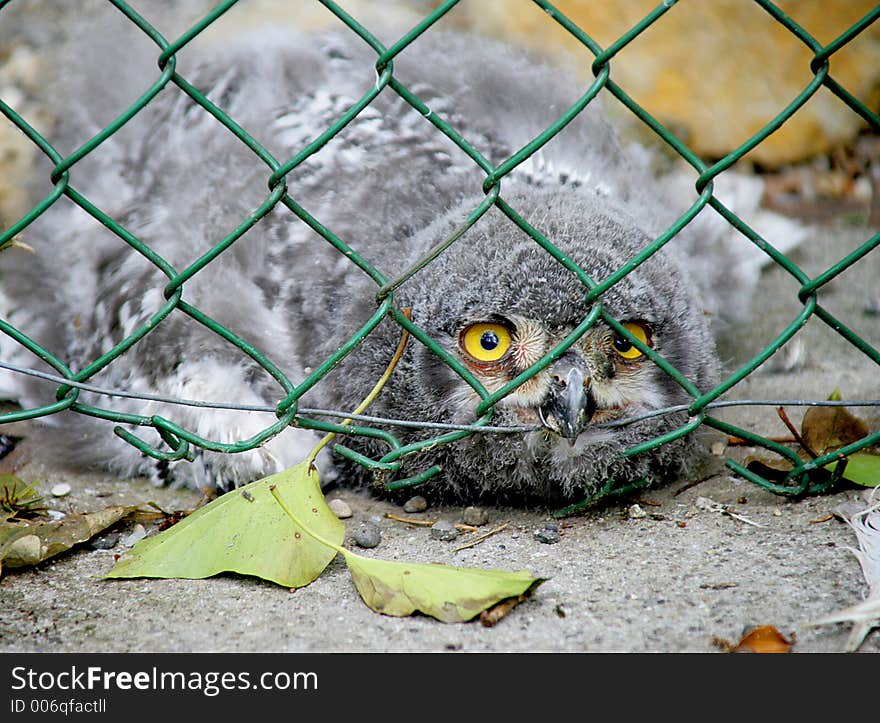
point(794, 432)
point(374, 392)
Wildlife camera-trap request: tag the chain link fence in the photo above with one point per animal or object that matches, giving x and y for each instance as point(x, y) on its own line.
point(805, 477)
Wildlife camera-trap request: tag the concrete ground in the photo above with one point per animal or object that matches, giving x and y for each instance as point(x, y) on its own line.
point(679, 576)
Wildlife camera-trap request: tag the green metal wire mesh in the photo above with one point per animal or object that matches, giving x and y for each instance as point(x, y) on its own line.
point(179, 442)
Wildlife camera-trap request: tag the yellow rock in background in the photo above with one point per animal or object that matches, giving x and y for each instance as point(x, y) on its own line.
point(714, 71)
point(19, 74)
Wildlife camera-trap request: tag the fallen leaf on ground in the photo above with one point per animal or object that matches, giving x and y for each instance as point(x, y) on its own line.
point(863, 468)
point(761, 639)
point(23, 544)
point(827, 428)
point(244, 531)
point(449, 594)
point(823, 430)
point(775, 469)
point(444, 592)
point(9, 533)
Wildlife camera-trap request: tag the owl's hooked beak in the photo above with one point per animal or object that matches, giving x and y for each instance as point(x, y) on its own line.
point(570, 404)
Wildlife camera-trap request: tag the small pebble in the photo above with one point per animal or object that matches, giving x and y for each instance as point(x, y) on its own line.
point(137, 534)
point(872, 305)
point(60, 490)
point(105, 542)
point(635, 512)
point(704, 503)
point(443, 530)
point(340, 509)
point(415, 504)
point(367, 535)
point(7, 444)
point(475, 516)
point(547, 536)
point(718, 448)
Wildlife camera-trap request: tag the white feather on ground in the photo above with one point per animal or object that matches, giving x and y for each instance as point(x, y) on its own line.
point(865, 616)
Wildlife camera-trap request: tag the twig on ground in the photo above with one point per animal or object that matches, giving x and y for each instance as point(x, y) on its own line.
point(491, 616)
point(484, 536)
point(427, 523)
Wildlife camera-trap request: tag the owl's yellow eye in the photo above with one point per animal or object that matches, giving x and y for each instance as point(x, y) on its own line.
point(624, 347)
point(485, 342)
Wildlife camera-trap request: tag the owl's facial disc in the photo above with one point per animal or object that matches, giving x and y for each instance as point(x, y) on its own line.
point(596, 380)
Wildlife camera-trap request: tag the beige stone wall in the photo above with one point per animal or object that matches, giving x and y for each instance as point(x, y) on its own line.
point(715, 70)
point(19, 76)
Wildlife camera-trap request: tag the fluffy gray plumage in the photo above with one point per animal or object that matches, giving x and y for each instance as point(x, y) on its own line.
point(391, 186)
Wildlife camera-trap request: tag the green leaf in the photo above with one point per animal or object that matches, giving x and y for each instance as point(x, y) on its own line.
point(863, 468)
point(18, 496)
point(247, 532)
point(449, 594)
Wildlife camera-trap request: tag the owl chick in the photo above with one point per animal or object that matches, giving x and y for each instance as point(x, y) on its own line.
point(391, 186)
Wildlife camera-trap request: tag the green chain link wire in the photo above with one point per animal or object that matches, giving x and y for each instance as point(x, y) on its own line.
point(179, 443)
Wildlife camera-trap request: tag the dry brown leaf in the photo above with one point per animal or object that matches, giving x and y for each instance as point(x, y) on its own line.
point(36, 542)
point(827, 428)
point(775, 469)
point(763, 639)
point(823, 430)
